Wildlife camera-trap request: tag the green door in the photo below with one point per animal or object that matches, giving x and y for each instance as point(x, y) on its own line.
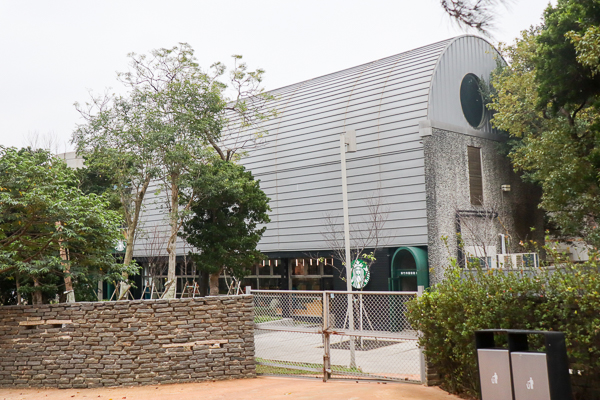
point(409, 270)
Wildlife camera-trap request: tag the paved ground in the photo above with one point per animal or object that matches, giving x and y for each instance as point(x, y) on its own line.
point(400, 359)
point(262, 388)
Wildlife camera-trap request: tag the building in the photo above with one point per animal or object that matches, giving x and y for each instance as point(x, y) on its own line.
point(426, 152)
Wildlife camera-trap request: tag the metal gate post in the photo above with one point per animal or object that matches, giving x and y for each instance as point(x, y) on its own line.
point(326, 354)
point(420, 290)
point(423, 366)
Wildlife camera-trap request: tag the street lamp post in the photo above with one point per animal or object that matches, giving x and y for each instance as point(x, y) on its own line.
point(348, 138)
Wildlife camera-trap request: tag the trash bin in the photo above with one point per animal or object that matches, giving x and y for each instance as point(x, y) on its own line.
point(495, 378)
point(533, 375)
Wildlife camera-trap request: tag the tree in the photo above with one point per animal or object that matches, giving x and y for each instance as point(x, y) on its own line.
point(48, 227)
point(547, 100)
point(175, 116)
point(227, 220)
point(119, 144)
point(366, 235)
point(565, 84)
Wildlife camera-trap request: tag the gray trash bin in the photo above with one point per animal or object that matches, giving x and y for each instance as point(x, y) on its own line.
point(533, 375)
point(494, 374)
point(530, 376)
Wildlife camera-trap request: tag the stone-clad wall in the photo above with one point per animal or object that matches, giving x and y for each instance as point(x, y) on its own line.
point(447, 182)
point(127, 343)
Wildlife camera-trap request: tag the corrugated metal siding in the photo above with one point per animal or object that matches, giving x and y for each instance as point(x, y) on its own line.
point(384, 101)
point(299, 165)
point(466, 54)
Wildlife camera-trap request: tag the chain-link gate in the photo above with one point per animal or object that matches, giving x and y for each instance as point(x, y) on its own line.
point(336, 334)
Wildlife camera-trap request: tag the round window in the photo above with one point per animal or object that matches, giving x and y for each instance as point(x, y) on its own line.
point(471, 100)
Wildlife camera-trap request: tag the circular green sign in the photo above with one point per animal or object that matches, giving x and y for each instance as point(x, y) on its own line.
point(120, 245)
point(360, 274)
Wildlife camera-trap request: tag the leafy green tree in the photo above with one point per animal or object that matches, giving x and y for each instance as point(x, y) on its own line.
point(565, 84)
point(227, 220)
point(48, 227)
point(587, 46)
point(119, 144)
point(548, 102)
point(175, 117)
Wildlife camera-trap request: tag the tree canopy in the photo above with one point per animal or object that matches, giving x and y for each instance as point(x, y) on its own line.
point(174, 117)
point(227, 220)
point(48, 226)
point(547, 99)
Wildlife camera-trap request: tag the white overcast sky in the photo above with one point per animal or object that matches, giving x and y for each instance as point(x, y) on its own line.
point(55, 51)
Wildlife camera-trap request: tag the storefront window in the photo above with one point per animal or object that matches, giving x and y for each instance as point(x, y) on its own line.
point(311, 274)
point(265, 276)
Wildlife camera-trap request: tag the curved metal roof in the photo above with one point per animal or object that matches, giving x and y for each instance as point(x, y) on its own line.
point(384, 101)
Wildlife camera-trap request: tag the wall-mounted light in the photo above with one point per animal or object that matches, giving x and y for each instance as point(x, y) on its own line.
point(505, 188)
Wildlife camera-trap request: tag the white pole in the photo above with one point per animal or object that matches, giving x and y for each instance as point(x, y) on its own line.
point(348, 261)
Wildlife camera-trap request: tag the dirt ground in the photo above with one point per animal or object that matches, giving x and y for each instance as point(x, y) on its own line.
point(262, 388)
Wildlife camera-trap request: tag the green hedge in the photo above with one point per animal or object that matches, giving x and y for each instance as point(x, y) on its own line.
point(566, 299)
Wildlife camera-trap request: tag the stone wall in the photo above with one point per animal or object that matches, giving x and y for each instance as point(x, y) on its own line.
point(127, 343)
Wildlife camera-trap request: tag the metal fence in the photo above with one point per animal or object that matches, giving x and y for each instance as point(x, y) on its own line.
point(336, 334)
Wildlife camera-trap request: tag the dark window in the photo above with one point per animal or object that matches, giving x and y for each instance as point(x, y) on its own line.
point(475, 175)
point(267, 278)
point(471, 100)
point(311, 274)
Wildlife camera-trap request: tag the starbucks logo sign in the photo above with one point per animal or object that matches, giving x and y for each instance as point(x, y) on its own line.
point(360, 274)
point(120, 245)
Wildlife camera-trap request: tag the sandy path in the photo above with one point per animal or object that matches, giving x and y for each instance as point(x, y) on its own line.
point(262, 388)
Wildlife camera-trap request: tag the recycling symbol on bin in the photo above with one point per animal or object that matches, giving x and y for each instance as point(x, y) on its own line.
point(359, 274)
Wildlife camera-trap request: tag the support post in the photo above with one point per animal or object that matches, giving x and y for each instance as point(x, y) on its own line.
point(360, 307)
point(326, 339)
point(348, 260)
point(422, 361)
point(350, 138)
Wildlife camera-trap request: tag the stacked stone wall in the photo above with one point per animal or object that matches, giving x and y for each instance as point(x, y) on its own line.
point(127, 343)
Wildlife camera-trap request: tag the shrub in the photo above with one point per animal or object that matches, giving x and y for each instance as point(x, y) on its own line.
point(565, 299)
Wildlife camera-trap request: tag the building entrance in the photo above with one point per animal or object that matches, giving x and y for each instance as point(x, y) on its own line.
point(409, 269)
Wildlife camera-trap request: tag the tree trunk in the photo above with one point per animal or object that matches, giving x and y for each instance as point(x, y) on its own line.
point(64, 256)
point(36, 296)
point(68, 279)
point(124, 286)
point(18, 283)
point(132, 226)
point(204, 285)
point(69, 288)
point(171, 292)
point(214, 283)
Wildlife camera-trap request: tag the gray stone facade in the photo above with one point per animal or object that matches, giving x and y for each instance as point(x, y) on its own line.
point(127, 343)
point(447, 186)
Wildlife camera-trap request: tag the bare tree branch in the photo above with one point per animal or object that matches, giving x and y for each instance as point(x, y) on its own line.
point(365, 234)
point(476, 14)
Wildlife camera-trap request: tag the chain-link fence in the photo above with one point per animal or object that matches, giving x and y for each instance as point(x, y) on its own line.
point(336, 334)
